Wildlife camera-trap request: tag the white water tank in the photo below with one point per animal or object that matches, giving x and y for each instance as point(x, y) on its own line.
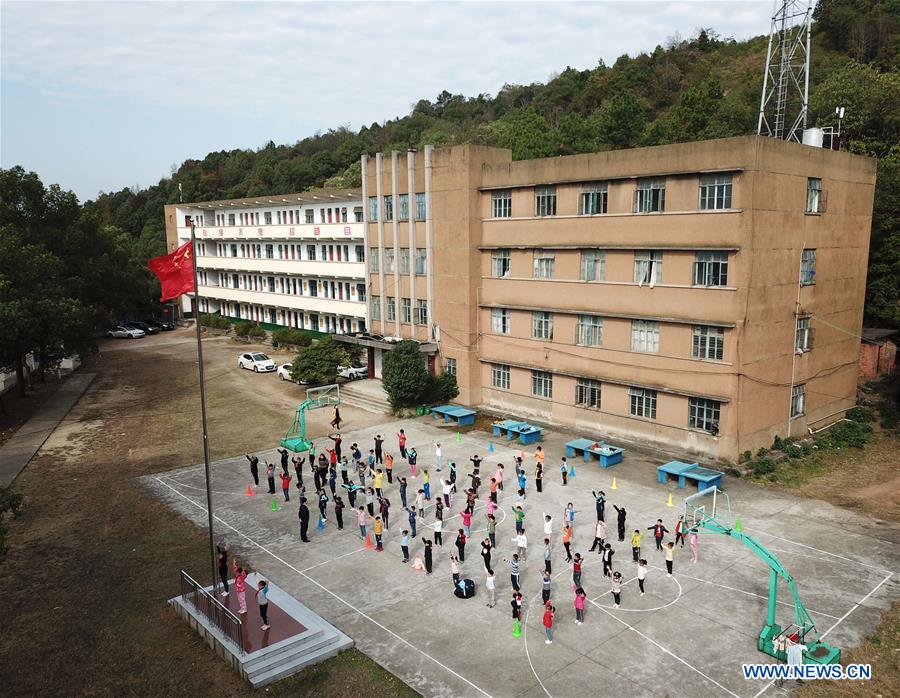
point(814, 137)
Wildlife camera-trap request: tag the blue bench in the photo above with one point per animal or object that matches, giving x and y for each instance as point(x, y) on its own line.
point(704, 477)
point(606, 454)
point(463, 415)
point(526, 433)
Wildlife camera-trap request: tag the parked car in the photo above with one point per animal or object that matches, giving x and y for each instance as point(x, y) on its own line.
point(160, 324)
point(257, 362)
point(147, 329)
point(123, 332)
point(353, 373)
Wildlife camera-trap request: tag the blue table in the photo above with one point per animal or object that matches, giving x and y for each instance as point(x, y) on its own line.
point(463, 415)
point(704, 477)
point(607, 455)
point(527, 433)
point(506, 428)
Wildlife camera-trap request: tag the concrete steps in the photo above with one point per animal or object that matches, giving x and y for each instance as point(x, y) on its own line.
point(293, 658)
point(367, 395)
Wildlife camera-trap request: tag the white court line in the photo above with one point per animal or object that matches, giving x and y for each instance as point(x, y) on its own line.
point(837, 623)
point(818, 550)
point(669, 652)
point(328, 591)
point(352, 552)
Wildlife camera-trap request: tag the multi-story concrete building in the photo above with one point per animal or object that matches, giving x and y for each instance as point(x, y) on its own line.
point(703, 296)
point(294, 260)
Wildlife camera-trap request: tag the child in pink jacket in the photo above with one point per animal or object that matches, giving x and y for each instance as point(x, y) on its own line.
point(466, 517)
point(240, 586)
point(580, 599)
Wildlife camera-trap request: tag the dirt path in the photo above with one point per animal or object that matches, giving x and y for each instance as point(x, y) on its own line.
point(93, 559)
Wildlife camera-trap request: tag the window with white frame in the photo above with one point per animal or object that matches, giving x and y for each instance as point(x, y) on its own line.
point(360, 252)
point(404, 207)
point(421, 261)
point(267, 218)
point(501, 203)
point(405, 310)
point(593, 265)
point(704, 414)
point(593, 199)
point(541, 325)
point(391, 309)
point(500, 376)
point(542, 384)
point(642, 403)
point(798, 401)
point(373, 259)
point(310, 216)
point(389, 260)
point(587, 393)
point(650, 195)
point(499, 320)
point(544, 262)
point(500, 263)
point(376, 307)
point(808, 268)
point(450, 366)
point(645, 336)
point(589, 330)
point(711, 268)
point(545, 201)
point(389, 207)
point(804, 334)
point(648, 267)
point(404, 260)
point(814, 198)
point(715, 191)
point(707, 342)
point(420, 207)
point(421, 312)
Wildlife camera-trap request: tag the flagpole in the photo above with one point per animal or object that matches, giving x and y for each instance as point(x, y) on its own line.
point(209, 507)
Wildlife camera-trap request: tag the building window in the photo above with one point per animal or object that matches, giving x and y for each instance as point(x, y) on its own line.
point(420, 207)
point(361, 292)
point(373, 208)
point(542, 384)
point(360, 252)
point(404, 260)
point(500, 261)
point(230, 219)
point(593, 199)
point(589, 331)
point(311, 253)
point(645, 336)
point(541, 325)
point(376, 307)
point(391, 309)
point(500, 376)
point(593, 265)
point(358, 217)
point(421, 261)
point(808, 268)
point(389, 260)
point(804, 341)
point(405, 310)
point(404, 207)
point(642, 403)
point(648, 267)
point(707, 342)
point(389, 207)
point(450, 366)
point(270, 252)
point(587, 393)
point(715, 191)
point(501, 204)
point(650, 195)
point(815, 197)
point(798, 401)
point(543, 264)
point(711, 269)
point(421, 312)
point(373, 258)
point(545, 201)
point(310, 216)
point(499, 321)
point(267, 218)
point(704, 414)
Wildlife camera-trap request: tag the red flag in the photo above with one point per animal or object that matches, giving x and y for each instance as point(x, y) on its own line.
point(175, 272)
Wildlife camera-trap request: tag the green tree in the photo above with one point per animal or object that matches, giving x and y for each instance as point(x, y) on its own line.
point(619, 122)
point(318, 363)
point(404, 374)
point(527, 133)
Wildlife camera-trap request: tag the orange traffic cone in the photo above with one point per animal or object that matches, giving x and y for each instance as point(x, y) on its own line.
point(250, 492)
point(368, 541)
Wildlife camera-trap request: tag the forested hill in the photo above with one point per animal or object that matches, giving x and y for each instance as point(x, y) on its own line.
point(703, 87)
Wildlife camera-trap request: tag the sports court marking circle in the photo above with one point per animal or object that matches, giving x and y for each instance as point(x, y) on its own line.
point(609, 607)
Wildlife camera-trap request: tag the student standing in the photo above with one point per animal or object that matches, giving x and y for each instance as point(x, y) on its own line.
point(446, 489)
point(412, 519)
point(620, 521)
point(339, 512)
point(254, 468)
point(659, 532)
point(303, 515)
point(549, 612)
point(499, 476)
point(344, 467)
point(323, 503)
point(679, 531)
point(361, 522)
point(262, 596)
point(616, 589)
point(599, 537)
point(580, 599)
point(337, 444)
point(378, 449)
point(514, 570)
point(491, 589)
point(516, 605)
point(521, 545)
point(378, 481)
point(378, 529)
point(636, 539)
point(404, 545)
point(567, 541)
point(454, 569)
point(370, 501)
point(401, 442)
point(298, 469)
point(548, 525)
point(426, 484)
point(694, 543)
point(438, 457)
point(539, 476)
point(439, 532)
point(461, 545)
point(389, 467)
point(519, 513)
point(569, 514)
point(564, 470)
point(385, 507)
point(332, 480)
point(600, 503)
point(492, 530)
point(642, 574)
point(486, 553)
point(576, 570)
point(402, 482)
point(222, 558)
point(427, 552)
point(412, 456)
point(453, 475)
point(240, 586)
point(284, 459)
point(548, 557)
point(270, 476)
point(608, 553)
point(466, 516)
point(286, 485)
point(670, 558)
point(420, 504)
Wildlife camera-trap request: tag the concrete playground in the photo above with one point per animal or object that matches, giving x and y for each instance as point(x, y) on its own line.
point(688, 635)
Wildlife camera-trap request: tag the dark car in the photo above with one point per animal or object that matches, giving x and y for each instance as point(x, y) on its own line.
point(148, 329)
point(160, 324)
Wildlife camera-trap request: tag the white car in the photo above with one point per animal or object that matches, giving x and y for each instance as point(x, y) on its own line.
point(126, 332)
point(257, 362)
point(284, 372)
point(351, 373)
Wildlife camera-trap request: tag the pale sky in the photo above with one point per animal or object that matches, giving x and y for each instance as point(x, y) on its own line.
point(97, 96)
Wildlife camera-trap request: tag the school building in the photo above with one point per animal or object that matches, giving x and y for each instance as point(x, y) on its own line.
point(702, 296)
point(294, 260)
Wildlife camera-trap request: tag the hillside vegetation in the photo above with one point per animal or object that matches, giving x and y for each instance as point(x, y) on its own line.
point(703, 87)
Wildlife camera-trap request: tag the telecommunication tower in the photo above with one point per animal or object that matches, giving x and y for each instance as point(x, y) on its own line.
point(785, 93)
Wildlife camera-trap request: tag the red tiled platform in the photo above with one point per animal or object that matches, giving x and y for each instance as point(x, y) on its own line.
point(282, 625)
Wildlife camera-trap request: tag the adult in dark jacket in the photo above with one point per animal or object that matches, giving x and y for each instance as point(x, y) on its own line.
point(620, 514)
point(254, 467)
point(303, 514)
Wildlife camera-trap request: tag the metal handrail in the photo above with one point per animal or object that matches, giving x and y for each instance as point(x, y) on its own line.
point(211, 608)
